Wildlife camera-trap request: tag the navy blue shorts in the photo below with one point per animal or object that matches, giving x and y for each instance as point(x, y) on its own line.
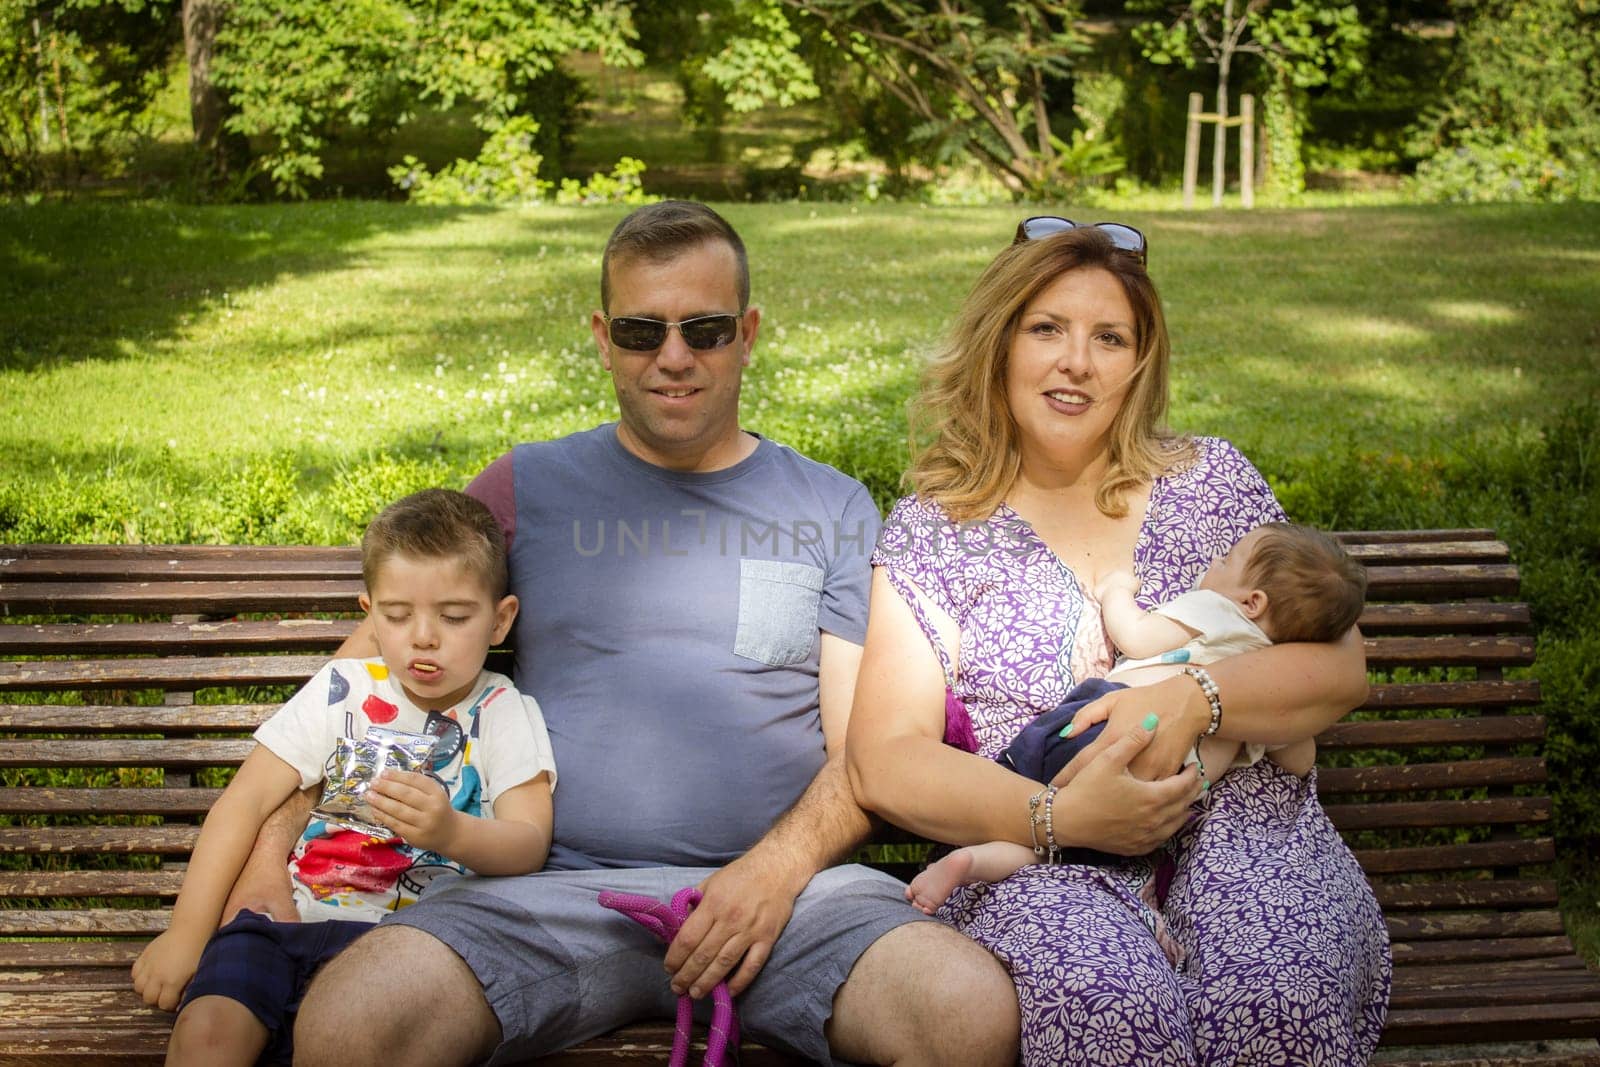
point(266, 966)
point(1039, 751)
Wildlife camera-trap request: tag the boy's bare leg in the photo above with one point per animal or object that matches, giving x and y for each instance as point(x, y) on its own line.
point(992, 861)
point(921, 995)
point(216, 1032)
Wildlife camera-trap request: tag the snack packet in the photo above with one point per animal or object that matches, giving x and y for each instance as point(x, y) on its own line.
point(356, 762)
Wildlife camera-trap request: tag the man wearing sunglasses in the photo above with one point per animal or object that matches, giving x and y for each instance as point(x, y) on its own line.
point(694, 605)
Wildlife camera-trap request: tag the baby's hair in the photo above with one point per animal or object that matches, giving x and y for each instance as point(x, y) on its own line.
point(437, 524)
point(1315, 591)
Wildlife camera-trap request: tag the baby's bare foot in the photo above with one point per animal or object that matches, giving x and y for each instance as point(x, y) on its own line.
point(933, 886)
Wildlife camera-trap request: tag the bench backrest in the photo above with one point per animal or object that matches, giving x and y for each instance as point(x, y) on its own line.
point(130, 671)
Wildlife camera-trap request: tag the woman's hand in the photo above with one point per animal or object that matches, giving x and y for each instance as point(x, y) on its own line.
point(1179, 725)
point(1109, 809)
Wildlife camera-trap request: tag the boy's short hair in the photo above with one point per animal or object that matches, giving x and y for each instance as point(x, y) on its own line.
point(437, 524)
point(1315, 591)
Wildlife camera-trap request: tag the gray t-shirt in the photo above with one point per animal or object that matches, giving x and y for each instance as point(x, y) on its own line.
point(669, 630)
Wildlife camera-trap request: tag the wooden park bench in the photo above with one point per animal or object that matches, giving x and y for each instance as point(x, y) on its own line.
point(130, 669)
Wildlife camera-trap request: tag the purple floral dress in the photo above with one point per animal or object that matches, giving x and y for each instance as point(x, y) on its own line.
point(1269, 947)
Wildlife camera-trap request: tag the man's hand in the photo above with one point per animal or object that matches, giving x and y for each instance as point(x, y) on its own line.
point(415, 807)
point(744, 907)
point(163, 969)
point(263, 886)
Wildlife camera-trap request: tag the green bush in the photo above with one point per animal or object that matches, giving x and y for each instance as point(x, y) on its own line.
point(1522, 167)
point(505, 172)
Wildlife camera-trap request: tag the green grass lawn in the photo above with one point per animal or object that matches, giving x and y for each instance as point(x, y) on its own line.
point(163, 344)
point(275, 373)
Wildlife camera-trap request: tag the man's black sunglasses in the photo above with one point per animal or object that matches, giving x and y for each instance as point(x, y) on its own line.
point(1122, 235)
point(646, 335)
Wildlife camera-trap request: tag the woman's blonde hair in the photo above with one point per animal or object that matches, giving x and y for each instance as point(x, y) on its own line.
point(968, 455)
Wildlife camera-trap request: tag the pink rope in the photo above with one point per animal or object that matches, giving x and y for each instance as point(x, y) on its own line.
point(665, 921)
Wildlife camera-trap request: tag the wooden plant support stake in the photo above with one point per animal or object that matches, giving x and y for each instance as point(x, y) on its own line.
point(1245, 120)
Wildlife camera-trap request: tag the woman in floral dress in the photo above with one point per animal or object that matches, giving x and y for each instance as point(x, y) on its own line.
point(1240, 929)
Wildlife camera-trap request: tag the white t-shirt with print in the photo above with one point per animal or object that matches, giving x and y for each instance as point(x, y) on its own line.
point(1223, 631)
point(341, 874)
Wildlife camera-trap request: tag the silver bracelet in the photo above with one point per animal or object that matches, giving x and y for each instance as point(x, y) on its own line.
point(1209, 687)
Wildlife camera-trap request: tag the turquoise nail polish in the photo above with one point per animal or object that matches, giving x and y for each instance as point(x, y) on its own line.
point(1150, 721)
point(1066, 731)
point(1205, 787)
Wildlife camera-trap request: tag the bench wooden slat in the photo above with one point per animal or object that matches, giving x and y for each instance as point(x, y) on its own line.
point(1515, 1059)
point(72, 840)
point(172, 752)
point(1442, 581)
point(1348, 538)
point(156, 568)
point(53, 800)
point(1456, 857)
point(1415, 777)
point(1522, 1022)
point(62, 979)
point(29, 955)
point(132, 719)
point(1501, 971)
point(1445, 618)
point(1507, 692)
point(1386, 653)
point(1421, 814)
point(90, 883)
point(1478, 951)
point(1473, 730)
point(177, 673)
point(1462, 893)
point(1551, 988)
point(1464, 774)
point(1486, 551)
point(9, 554)
point(174, 638)
point(176, 598)
point(68, 922)
point(1439, 926)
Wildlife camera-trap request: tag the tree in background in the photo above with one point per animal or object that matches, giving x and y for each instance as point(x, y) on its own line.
point(74, 77)
point(1301, 43)
point(1521, 115)
point(300, 73)
point(976, 75)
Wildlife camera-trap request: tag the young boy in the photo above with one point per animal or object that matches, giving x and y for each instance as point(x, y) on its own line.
point(435, 573)
point(1281, 582)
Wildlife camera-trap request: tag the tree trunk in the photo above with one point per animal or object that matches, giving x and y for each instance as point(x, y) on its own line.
point(1219, 152)
point(207, 106)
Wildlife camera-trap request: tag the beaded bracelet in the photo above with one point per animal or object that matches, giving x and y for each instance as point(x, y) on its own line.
point(1046, 796)
point(1213, 697)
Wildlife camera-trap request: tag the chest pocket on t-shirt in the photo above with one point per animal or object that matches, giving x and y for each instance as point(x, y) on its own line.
point(778, 605)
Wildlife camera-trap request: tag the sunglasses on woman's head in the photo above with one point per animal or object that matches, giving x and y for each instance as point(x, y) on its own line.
point(646, 335)
point(1122, 235)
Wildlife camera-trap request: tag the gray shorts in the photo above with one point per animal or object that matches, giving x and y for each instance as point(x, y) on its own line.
point(557, 968)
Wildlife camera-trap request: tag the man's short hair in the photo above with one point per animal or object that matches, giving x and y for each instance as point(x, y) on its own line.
point(1315, 591)
point(438, 524)
point(663, 231)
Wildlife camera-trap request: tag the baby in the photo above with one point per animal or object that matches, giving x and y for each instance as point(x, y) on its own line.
point(435, 574)
point(1280, 582)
